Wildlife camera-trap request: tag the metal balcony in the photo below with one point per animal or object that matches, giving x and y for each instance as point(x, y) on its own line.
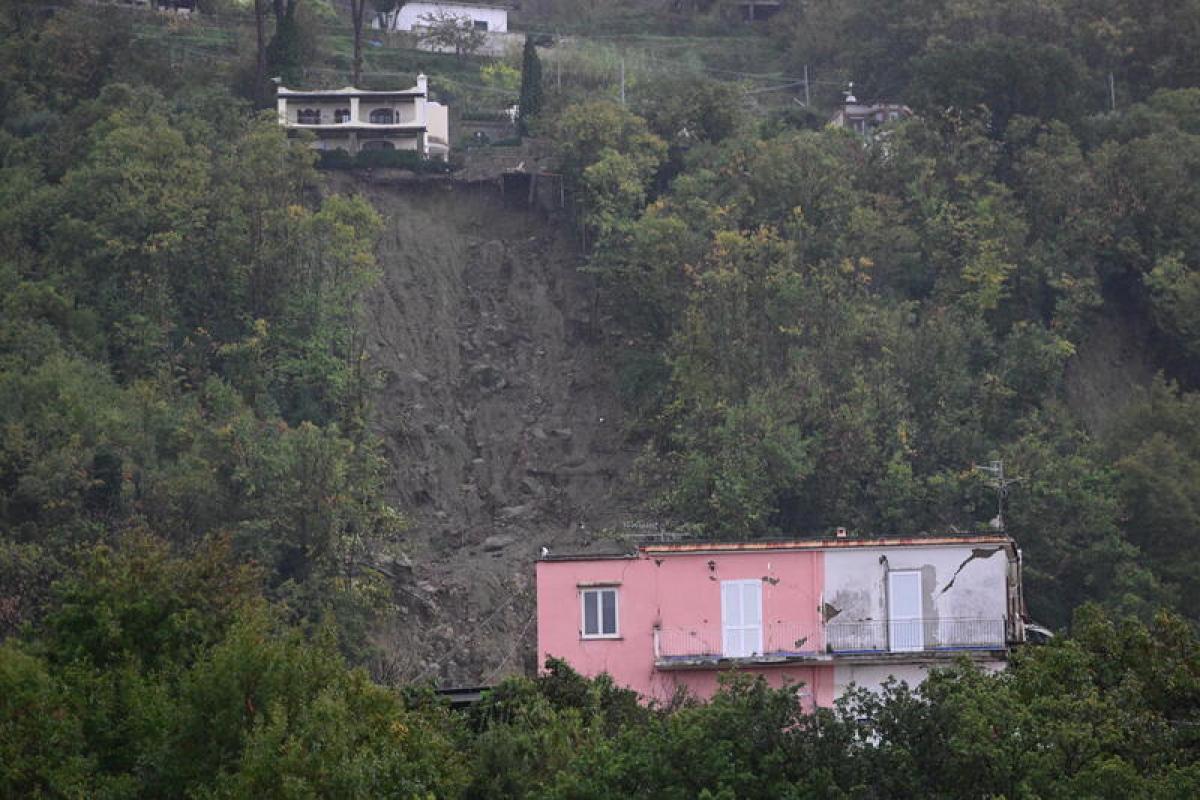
point(773, 643)
point(770, 643)
point(915, 635)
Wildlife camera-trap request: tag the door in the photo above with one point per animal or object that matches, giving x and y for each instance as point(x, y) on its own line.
point(741, 618)
point(905, 632)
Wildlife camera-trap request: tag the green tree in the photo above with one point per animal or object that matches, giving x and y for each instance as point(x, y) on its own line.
point(444, 30)
point(530, 103)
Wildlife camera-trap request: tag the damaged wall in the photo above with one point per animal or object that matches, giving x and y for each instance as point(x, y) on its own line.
point(957, 581)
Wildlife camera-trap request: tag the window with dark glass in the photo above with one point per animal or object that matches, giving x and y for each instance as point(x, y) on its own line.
point(309, 116)
point(383, 116)
point(599, 613)
point(341, 115)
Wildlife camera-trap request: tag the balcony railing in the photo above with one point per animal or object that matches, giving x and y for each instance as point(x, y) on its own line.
point(798, 641)
point(916, 635)
point(780, 640)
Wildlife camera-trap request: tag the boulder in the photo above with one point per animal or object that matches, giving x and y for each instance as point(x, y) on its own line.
point(497, 541)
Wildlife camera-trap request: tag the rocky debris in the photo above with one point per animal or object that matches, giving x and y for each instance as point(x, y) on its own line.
point(495, 385)
point(497, 541)
point(398, 567)
point(512, 512)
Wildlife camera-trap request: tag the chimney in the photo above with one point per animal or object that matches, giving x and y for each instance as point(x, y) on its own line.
point(422, 83)
point(841, 533)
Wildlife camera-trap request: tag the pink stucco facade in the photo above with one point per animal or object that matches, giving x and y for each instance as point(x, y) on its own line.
point(826, 613)
point(677, 599)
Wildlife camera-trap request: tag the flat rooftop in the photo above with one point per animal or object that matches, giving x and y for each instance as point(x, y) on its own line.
point(619, 550)
point(347, 91)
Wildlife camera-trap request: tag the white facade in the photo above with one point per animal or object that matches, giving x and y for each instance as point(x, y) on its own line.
point(873, 676)
point(354, 119)
point(925, 602)
point(493, 19)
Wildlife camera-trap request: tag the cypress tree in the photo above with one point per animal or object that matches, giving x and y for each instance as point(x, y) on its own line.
point(531, 85)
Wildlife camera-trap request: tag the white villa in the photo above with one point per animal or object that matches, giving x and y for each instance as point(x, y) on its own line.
point(353, 119)
point(483, 16)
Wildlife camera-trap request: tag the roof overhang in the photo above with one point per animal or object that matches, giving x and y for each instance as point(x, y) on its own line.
point(832, 543)
point(346, 93)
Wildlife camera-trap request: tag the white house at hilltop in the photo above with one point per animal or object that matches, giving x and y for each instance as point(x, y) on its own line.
point(483, 16)
point(354, 119)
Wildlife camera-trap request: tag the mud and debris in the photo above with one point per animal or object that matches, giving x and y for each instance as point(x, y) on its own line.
point(497, 410)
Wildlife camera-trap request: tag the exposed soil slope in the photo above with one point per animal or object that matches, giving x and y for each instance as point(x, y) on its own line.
point(498, 412)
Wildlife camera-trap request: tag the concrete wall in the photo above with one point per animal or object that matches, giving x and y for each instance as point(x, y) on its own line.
point(411, 16)
point(672, 601)
point(437, 130)
point(681, 595)
point(397, 142)
point(957, 581)
point(873, 676)
point(333, 143)
point(406, 108)
point(290, 108)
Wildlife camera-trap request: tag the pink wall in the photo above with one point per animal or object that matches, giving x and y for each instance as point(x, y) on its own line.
point(681, 593)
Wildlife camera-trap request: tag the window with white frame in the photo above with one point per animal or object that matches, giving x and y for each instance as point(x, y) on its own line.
point(599, 608)
point(741, 618)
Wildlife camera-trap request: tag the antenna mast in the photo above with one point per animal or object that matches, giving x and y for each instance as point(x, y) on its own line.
point(994, 470)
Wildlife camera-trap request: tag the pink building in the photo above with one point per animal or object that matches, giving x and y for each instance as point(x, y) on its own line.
point(822, 612)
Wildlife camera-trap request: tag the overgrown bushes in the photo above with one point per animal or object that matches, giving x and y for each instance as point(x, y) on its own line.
point(172, 677)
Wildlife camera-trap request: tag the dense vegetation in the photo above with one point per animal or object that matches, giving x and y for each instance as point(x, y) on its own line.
point(179, 351)
point(163, 677)
point(821, 331)
point(812, 330)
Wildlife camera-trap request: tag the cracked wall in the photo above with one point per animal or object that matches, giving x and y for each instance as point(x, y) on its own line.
point(957, 582)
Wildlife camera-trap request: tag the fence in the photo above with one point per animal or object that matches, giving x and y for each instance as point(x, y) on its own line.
point(781, 639)
point(914, 635)
point(795, 640)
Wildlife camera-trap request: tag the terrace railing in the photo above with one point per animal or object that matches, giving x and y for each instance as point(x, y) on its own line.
point(773, 641)
point(782, 641)
point(916, 635)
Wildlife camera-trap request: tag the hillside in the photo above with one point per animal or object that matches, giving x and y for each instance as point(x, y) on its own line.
point(498, 413)
point(282, 432)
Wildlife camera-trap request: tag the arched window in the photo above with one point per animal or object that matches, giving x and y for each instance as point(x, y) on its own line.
point(383, 116)
point(341, 115)
point(309, 116)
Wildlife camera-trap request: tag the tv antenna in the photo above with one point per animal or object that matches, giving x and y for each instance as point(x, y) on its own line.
point(994, 472)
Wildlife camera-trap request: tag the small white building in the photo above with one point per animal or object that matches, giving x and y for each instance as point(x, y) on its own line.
point(482, 16)
point(354, 119)
point(866, 118)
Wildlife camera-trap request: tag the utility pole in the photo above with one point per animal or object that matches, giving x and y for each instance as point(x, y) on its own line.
point(1112, 92)
point(807, 99)
point(622, 80)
